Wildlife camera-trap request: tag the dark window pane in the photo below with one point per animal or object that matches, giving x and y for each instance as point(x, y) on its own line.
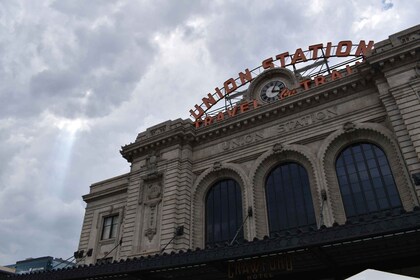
point(368, 151)
point(358, 157)
point(289, 199)
point(363, 175)
point(113, 231)
point(382, 160)
point(341, 171)
point(108, 221)
point(356, 149)
point(383, 203)
point(395, 201)
point(105, 233)
point(348, 160)
point(361, 166)
point(217, 214)
point(374, 172)
point(224, 208)
point(209, 216)
point(385, 170)
point(354, 180)
point(355, 187)
point(367, 184)
point(377, 183)
point(345, 190)
point(232, 207)
point(223, 211)
point(340, 162)
point(109, 227)
point(365, 180)
point(343, 179)
point(371, 163)
point(348, 201)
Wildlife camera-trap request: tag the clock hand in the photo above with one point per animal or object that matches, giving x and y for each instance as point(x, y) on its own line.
point(276, 89)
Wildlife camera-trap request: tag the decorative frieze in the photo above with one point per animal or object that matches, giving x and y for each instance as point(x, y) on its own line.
point(243, 140)
point(307, 120)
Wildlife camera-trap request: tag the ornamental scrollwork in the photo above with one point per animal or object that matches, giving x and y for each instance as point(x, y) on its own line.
point(278, 148)
point(349, 127)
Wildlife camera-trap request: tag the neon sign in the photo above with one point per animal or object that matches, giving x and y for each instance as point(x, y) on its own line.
point(314, 52)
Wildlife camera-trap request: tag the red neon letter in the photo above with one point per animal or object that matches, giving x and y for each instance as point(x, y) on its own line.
point(219, 93)
point(208, 121)
point(328, 50)
point(244, 107)
point(232, 112)
point(335, 75)
point(233, 86)
point(314, 49)
point(268, 63)
point(200, 112)
point(245, 76)
point(284, 93)
point(220, 116)
point(346, 52)
point(299, 55)
point(362, 49)
point(282, 57)
point(319, 80)
point(197, 123)
point(305, 84)
point(210, 101)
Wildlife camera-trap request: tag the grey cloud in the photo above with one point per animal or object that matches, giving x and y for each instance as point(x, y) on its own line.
point(83, 9)
point(52, 83)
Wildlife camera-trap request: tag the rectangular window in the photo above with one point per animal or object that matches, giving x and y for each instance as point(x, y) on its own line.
point(109, 228)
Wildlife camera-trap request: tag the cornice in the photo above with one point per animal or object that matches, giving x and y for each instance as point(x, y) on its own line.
point(105, 193)
point(147, 142)
point(110, 180)
point(388, 55)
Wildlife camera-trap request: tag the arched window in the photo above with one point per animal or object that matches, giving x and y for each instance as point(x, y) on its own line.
point(289, 199)
point(365, 179)
point(223, 212)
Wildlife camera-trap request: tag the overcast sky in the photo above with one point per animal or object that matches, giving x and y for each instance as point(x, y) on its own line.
point(79, 79)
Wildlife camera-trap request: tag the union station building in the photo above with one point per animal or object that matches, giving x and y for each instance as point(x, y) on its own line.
point(307, 167)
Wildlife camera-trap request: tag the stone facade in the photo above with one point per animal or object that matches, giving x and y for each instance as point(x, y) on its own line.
point(173, 164)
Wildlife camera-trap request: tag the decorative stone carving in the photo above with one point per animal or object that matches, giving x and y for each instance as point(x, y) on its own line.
point(349, 127)
point(151, 225)
point(151, 168)
point(154, 190)
point(278, 148)
point(150, 232)
point(217, 165)
point(158, 130)
point(151, 163)
point(406, 38)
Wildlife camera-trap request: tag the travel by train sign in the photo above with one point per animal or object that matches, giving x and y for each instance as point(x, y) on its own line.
point(319, 52)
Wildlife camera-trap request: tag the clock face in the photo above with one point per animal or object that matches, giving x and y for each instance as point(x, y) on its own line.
point(270, 91)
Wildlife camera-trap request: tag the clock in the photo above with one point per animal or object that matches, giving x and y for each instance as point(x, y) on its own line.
point(271, 90)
